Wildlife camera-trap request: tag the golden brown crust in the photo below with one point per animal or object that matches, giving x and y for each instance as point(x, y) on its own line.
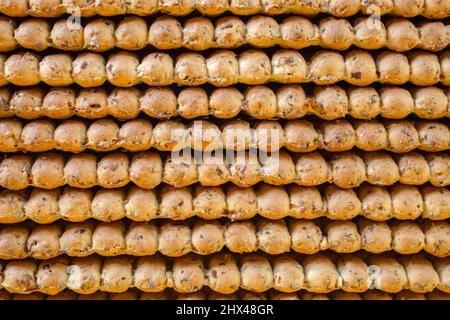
point(167, 135)
point(346, 169)
point(372, 202)
point(223, 68)
point(288, 102)
point(52, 8)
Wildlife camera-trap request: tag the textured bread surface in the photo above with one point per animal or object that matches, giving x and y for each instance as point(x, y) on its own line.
point(235, 203)
point(431, 9)
point(224, 150)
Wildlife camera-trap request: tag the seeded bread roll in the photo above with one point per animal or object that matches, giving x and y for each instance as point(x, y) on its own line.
point(354, 273)
point(323, 281)
point(15, 172)
point(443, 271)
point(165, 33)
point(122, 70)
point(431, 202)
point(108, 239)
point(256, 274)
point(131, 33)
point(76, 240)
point(38, 136)
point(67, 35)
point(433, 36)
point(393, 68)
point(47, 171)
point(413, 169)
point(407, 202)
point(337, 135)
point(92, 102)
point(30, 34)
point(403, 240)
point(305, 202)
point(298, 32)
point(388, 274)
point(326, 67)
point(376, 237)
point(56, 70)
point(58, 103)
point(262, 32)
point(13, 242)
point(369, 33)
point(370, 135)
point(422, 277)
point(342, 236)
point(175, 240)
point(429, 101)
point(425, 68)
point(22, 69)
point(84, 275)
point(401, 35)
point(307, 237)
point(42, 206)
point(438, 165)
point(402, 136)
point(43, 242)
point(312, 162)
point(222, 68)
point(336, 34)
point(198, 34)
point(223, 274)
point(89, 70)
point(339, 209)
point(360, 68)
point(99, 35)
point(342, 164)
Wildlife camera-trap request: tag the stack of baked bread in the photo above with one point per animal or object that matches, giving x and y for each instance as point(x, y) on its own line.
point(224, 149)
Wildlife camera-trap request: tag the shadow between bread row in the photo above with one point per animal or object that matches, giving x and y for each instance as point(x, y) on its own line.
point(169, 294)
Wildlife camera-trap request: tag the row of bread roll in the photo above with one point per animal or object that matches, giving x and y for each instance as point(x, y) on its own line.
point(243, 168)
point(223, 68)
point(271, 202)
point(226, 273)
point(169, 135)
point(260, 102)
point(207, 237)
point(433, 9)
point(239, 295)
point(199, 33)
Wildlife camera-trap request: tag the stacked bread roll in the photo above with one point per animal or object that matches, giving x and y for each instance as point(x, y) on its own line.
point(224, 150)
